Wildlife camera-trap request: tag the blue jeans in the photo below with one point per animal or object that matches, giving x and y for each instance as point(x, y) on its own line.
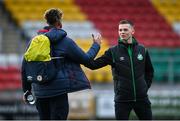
point(53, 108)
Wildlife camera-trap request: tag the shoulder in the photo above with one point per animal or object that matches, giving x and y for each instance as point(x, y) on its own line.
point(69, 40)
point(141, 45)
point(70, 43)
point(112, 48)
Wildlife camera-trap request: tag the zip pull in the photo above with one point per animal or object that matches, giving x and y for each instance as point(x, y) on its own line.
point(56, 58)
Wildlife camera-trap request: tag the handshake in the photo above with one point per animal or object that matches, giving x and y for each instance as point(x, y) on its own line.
point(97, 38)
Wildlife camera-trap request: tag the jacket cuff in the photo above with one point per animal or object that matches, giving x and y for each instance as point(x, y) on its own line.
point(96, 45)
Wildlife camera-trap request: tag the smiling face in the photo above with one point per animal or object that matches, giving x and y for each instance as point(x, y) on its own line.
point(125, 31)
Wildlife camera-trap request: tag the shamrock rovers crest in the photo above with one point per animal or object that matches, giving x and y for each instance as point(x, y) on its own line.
point(140, 57)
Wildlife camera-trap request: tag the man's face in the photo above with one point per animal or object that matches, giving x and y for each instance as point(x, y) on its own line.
point(125, 31)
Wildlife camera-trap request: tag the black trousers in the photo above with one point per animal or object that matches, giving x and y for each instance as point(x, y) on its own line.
point(141, 108)
point(54, 108)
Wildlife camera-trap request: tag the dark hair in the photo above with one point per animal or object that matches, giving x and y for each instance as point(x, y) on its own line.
point(53, 15)
point(126, 22)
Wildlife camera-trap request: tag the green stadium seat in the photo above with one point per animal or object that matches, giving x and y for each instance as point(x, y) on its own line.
point(161, 70)
point(176, 53)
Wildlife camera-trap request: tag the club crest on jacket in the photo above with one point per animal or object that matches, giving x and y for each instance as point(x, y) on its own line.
point(140, 57)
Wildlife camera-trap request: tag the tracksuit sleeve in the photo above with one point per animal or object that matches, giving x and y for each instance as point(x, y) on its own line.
point(78, 55)
point(149, 70)
point(105, 59)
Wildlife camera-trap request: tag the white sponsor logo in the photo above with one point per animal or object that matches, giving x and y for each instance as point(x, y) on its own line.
point(29, 78)
point(121, 58)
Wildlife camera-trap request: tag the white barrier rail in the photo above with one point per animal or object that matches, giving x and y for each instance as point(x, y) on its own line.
point(1, 37)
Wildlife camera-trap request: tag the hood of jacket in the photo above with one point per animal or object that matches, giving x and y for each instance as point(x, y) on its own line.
point(134, 41)
point(55, 34)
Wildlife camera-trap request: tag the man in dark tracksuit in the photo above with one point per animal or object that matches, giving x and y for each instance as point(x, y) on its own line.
point(132, 74)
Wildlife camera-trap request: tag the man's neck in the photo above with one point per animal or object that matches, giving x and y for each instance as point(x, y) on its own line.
point(129, 41)
point(58, 25)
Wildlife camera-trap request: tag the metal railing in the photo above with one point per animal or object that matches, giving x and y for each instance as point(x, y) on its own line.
point(1, 36)
point(169, 72)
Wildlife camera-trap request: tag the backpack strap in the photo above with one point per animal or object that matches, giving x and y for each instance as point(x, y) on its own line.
point(51, 52)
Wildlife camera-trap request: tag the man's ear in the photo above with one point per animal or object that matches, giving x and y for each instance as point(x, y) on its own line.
point(133, 31)
point(59, 24)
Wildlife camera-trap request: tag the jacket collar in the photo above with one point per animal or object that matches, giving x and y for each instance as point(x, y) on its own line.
point(134, 42)
point(54, 34)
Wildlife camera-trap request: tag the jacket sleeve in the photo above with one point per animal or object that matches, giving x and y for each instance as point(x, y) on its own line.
point(149, 70)
point(78, 55)
point(25, 85)
point(105, 59)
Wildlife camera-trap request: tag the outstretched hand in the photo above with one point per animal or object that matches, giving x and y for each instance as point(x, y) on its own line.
point(97, 38)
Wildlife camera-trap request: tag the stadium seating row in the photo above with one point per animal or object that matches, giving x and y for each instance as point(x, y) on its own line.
point(150, 25)
point(10, 78)
point(168, 8)
point(19, 12)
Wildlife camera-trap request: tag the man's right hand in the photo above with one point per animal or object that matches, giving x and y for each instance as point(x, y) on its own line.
point(25, 96)
point(97, 38)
